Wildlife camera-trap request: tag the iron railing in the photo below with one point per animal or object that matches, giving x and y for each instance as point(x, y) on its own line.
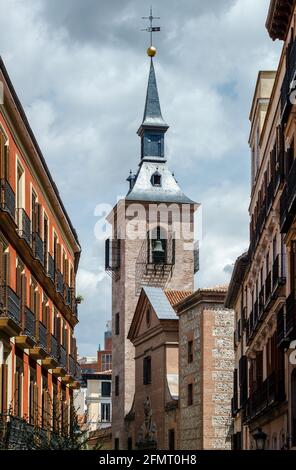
point(38, 247)
point(72, 366)
point(42, 336)
point(63, 357)
point(7, 198)
point(59, 282)
point(50, 267)
point(11, 304)
point(29, 323)
point(269, 392)
point(54, 349)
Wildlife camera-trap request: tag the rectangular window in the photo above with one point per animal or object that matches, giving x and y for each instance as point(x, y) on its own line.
point(147, 370)
point(106, 389)
point(171, 439)
point(190, 352)
point(190, 394)
point(106, 362)
point(105, 412)
point(117, 323)
point(116, 385)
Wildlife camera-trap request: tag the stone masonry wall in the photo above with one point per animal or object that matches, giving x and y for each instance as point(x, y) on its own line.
point(206, 423)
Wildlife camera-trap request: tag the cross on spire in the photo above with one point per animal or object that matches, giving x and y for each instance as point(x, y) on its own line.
point(151, 29)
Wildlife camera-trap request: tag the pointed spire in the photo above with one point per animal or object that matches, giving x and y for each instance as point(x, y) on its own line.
point(152, 112)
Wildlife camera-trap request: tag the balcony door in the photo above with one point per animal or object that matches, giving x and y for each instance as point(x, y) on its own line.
point(4, 156)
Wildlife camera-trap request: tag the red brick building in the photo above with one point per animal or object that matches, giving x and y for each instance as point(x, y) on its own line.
point(39, 256)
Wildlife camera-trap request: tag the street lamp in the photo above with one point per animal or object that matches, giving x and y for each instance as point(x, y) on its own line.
point(260, 438)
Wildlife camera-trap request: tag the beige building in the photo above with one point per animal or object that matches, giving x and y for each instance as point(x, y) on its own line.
point(262, 289)
point(206, 363)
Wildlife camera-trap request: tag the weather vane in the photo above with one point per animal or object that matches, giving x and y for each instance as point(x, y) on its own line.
point(151, 51)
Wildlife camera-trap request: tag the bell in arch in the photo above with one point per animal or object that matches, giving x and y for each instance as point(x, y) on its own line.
point(158, 253)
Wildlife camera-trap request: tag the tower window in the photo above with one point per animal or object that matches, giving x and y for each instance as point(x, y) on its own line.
point(116, 385)
point(190, 394)
point(190, 352)
point(117, 324)
point(147, 370)
point(156, 179)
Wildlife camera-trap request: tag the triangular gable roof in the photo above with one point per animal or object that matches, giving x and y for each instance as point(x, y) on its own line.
point(159, 303)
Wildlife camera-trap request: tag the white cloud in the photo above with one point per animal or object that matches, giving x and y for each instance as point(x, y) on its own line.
point(81, 72)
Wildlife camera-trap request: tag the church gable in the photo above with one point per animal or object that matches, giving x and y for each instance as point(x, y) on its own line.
point(152, 308)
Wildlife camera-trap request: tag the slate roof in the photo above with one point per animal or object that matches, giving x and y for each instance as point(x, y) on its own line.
point(160, 303)
point(152, 112)
point(169, 191)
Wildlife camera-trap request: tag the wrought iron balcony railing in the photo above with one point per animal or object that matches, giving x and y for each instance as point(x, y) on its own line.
point(10, 303)
point(63, 357)
point(7, 198)
point(42, 336)
point(268, 287)
point(72, 366)
point(54, 349)
point(278, 272)
point(50, 268)
point(268, 393)
point(68, 295)
point(24, 225)
point(38, 247)
point(29, 323)
point(59, 282)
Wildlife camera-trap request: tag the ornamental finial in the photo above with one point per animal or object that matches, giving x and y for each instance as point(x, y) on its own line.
point(151, 51)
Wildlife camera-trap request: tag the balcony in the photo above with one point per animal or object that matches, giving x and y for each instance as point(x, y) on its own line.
point(72, 366)
point(27, 338)
point(10, 311)
point(267, 394)
point(24, 226)
point(288, 200)
point(52, 359)
point(40, 351)
point(261, 302)
point(62, 367)
point(7, 198)
point(278, 273)
point(68, 295)
point(50, 267)
point(59, 282)
point(38, 247)
point(267, 288)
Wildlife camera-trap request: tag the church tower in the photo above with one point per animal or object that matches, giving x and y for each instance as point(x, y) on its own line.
point(152, 244)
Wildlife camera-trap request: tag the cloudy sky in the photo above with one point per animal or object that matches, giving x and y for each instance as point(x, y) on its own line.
point(80, 69)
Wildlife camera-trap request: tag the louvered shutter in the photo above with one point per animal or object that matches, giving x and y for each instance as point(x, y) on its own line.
point(23, 299)
point(36, 404)
point(16, 393)
point(31, 402)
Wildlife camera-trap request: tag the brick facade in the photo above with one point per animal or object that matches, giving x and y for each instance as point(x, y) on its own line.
point(206, 423)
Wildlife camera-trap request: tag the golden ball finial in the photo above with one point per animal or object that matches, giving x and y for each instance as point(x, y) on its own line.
point(151, 51)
